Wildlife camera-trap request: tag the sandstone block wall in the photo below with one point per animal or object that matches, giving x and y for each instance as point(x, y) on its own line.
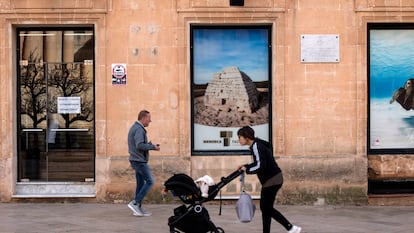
point(319, 113)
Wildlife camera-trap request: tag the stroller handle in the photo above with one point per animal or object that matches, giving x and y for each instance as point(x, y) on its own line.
point(229, 178)
point(224, 181)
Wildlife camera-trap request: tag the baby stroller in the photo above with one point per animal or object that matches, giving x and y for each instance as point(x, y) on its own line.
point(193, 217)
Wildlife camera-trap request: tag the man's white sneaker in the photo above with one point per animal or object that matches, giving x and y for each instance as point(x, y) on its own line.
point(135, 209)
point(144, 212)
point(295, 229)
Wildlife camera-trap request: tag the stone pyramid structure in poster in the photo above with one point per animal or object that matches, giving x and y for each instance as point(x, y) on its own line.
point(232, 89)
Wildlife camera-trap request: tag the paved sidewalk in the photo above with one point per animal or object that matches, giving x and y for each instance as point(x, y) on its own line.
point(91, 218)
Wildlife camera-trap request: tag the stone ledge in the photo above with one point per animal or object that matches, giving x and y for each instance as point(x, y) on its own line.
point(55, 6)
point(55, 195)
point(391, 200)
point(54, 189)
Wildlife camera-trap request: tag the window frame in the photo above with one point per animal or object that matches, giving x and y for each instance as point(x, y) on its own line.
point(374, 142)
point(50, 28)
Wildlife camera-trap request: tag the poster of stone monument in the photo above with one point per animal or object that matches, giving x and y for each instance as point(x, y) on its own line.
point(230, 85)
point(391, 93)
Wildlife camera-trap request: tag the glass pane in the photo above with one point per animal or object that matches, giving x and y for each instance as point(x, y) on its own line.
point(33, 104)
point(32, 155)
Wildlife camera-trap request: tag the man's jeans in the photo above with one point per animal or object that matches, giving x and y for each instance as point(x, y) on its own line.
point(144, 180)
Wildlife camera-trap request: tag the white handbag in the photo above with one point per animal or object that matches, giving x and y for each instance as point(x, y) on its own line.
point(245, 207)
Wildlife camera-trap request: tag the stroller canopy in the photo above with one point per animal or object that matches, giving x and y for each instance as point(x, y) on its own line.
point(182, 185)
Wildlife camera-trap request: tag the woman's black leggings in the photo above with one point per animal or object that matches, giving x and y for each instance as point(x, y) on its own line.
point(267, 200)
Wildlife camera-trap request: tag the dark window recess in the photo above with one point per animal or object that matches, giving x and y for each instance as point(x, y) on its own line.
point(390, 186)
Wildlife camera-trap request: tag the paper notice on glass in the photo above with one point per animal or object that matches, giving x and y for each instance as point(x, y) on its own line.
point(71, 105)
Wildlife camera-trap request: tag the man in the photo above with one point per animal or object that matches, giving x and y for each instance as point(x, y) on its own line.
point(138, 148)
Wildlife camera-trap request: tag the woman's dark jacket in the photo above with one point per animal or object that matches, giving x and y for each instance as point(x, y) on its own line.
point(264, 164)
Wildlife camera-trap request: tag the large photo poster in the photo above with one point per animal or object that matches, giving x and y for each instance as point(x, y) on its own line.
point(391, 93)
point(230, 69)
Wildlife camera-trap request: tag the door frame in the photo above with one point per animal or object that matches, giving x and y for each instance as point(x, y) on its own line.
point(18, 91)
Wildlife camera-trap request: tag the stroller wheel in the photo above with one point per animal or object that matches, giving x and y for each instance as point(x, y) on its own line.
point(219, 230)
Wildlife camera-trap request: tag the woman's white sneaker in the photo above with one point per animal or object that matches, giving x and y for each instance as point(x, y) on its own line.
point(295, 229)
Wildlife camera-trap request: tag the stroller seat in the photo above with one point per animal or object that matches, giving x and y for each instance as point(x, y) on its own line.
point(184, 187)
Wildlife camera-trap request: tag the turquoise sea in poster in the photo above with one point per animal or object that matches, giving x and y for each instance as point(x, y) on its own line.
point(391, 60)
point(391, 64)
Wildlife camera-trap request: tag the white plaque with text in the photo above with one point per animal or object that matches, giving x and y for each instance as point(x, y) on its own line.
point(319, 48)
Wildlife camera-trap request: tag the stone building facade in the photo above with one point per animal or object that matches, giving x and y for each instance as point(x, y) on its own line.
point(319, 110)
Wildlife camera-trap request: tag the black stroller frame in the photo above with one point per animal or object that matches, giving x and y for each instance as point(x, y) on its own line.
point(193, 217)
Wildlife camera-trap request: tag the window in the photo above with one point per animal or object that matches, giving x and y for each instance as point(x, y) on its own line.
point(55, 105)
point(391, 93)
point(230, 85)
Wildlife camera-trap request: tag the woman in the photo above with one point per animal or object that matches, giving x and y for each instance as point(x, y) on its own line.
point(270, 177)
